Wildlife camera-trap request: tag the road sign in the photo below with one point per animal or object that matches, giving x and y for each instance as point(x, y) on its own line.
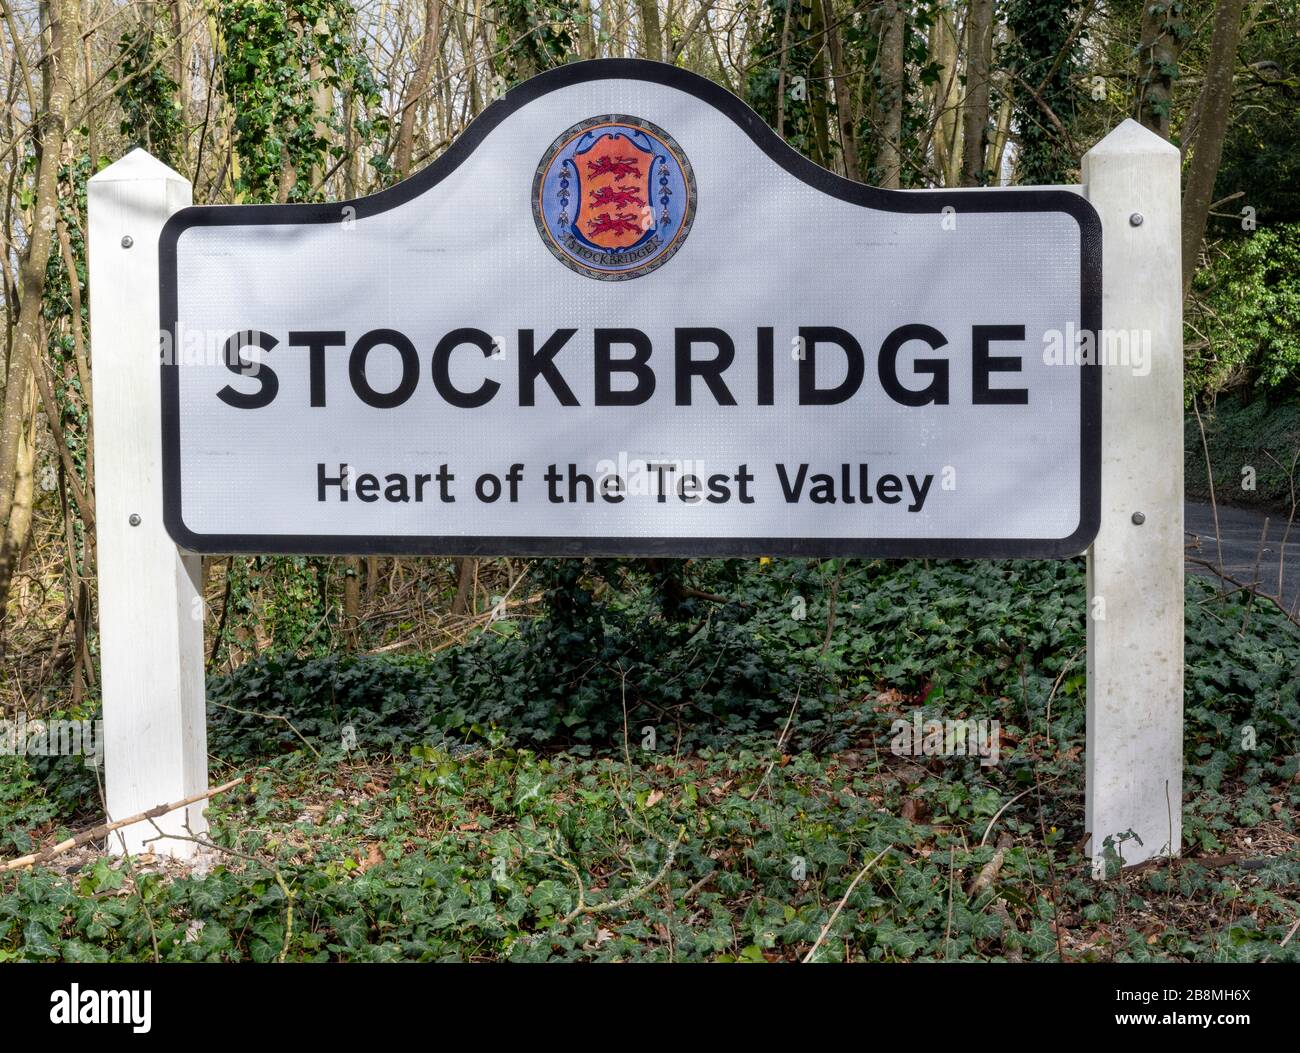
point(620, 316)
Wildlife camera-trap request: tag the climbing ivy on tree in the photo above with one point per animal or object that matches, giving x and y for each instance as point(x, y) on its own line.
point(1044, 61)
point(916, 119)
point(294, 76)
point(810, 113)
point(533, 37)
point(57, 306)
point(806, 87)
point(281, 67)
point(147, 93)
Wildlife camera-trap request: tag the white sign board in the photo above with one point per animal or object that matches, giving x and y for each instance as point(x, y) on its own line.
point(619, 316)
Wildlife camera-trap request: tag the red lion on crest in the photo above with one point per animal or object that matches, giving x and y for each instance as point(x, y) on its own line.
point(622, 223)
point(618, 167)
point(618, 196)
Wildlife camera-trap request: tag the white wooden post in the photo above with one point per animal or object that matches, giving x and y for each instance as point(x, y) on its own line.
point(1135, 566)
point(150, 604)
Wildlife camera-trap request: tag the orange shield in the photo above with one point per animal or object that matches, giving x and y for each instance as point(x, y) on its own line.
point(615, 210)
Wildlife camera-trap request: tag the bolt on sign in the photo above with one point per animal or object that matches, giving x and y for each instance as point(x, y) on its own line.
point(620, 316)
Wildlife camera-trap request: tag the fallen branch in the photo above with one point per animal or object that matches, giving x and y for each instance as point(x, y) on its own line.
point(630, 895)
point(840, 906)
point(104, 829)
point(1017, 797)
point(780, 743)
point(271, 716)
point(999, 910)
point(1253, 589)
point(1210, 862)
point(989, 872)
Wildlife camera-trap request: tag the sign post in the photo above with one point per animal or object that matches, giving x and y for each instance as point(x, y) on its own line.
point(619, 316)
point(150, 601)
point(1135, 565)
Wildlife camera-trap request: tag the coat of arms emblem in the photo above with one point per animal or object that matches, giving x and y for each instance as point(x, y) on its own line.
point(614, 197)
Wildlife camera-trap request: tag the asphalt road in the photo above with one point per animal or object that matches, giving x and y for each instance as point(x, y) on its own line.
point(1245, 543)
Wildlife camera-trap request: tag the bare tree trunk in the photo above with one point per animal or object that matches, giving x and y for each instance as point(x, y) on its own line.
point(351, 600)
point(1214, 107)
point(953, 59)
point(20, 511)
point(181, 73)
point(975, 113)
point(843, 94)
point(997, 148)
point(465, 566)
point(587, 36)
point(180, 56)
point(780, 71)
point(819, 109)
point(1163, 31)
point(945, 129)
point(611, 21)
point(79, 340)
point(419, 85)
point(652, 37)
point(59, 65)
point(891, 103)
point(460, 18)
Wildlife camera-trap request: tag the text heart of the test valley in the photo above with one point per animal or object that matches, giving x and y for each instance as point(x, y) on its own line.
point(660, 482)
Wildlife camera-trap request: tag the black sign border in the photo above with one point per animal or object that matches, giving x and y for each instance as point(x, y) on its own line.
point(910, 201)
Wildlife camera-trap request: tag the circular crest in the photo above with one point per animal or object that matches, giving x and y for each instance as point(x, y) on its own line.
point(614, 197)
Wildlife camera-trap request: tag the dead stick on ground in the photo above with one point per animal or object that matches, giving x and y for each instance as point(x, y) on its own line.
point(618, 904)
point(271, 716)
point(780, 743)
point(840, 906)
point(104, 829)
point(1253, 588)
point(998, 815)
point(1209, 475)
point(999, 910)
point(989, 872)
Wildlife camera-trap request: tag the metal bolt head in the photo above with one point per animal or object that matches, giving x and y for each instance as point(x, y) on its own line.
point(1135, 220)
point(1139, 518)
point(127, 241)
point(134, 519)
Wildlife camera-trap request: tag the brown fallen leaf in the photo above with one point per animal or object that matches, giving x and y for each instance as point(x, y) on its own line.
point(914, 810)
point(373, 858)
